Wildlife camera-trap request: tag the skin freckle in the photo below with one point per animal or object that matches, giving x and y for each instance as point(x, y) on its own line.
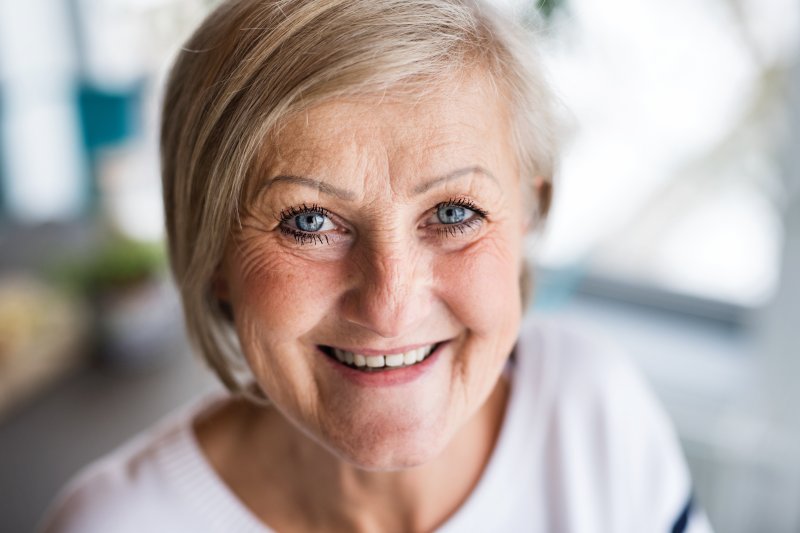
point(392, 273)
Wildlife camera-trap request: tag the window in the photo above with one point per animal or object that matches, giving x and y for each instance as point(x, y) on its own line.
point(672, 174)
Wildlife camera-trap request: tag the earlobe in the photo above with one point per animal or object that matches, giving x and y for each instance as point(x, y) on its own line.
point(541, 204)
point(532, 211)
point(221, 292)
point(219, 286)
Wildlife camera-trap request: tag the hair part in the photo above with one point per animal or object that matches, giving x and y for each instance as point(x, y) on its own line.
point(252, 64)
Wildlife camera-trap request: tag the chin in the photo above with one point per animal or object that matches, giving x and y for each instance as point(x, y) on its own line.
point(385, 450)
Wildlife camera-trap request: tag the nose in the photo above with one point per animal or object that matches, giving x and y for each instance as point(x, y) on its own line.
point(389, 292)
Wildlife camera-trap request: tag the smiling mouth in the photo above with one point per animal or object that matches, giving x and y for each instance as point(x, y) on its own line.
point(380, 363)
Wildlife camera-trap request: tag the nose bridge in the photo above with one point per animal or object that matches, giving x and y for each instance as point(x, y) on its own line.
point(388, 297)
point(392, 277)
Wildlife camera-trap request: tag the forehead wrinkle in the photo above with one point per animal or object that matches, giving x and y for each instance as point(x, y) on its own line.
point(305, 160)
point(381, 158)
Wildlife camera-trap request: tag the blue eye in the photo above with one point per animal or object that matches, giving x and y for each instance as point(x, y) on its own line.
point(451, 214)
point(310, 222)
point(457, 217)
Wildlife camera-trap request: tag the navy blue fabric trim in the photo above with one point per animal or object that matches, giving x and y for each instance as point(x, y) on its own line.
point(683, 519)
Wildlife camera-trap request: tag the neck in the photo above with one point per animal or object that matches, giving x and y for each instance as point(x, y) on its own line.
point(310, 488)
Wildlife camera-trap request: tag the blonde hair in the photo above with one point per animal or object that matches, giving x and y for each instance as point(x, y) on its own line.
point(252, 63)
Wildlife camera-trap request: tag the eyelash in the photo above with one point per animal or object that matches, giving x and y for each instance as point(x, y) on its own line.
point(445, 230)
point(303, 237)
point(455, 230)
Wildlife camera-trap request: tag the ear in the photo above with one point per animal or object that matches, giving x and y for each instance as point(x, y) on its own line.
point(531, 214)
point(221, 291)
point(219, 286)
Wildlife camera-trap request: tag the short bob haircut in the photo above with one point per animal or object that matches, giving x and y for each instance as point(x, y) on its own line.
point(253, 63)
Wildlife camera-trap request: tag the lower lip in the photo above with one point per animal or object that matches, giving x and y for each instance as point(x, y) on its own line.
point(387, 378)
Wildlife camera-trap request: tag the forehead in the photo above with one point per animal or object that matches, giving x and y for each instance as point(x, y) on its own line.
point(396, 138)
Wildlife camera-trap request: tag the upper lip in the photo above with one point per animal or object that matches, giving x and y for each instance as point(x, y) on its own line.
point(384, 351)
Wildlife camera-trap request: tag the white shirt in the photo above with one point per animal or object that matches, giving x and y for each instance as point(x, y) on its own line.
point(583, 448)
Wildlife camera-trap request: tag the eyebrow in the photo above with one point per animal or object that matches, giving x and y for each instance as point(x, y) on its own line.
point(344, 194)
point(312, 183)
point(456, 174)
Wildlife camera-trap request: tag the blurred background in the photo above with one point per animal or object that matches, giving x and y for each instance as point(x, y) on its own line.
point(675, 231)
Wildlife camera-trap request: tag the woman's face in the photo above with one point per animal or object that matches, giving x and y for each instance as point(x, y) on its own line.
point(382, 230)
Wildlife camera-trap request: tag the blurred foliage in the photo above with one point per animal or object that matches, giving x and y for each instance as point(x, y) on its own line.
point(118, 263)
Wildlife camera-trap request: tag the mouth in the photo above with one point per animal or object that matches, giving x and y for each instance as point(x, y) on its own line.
point(380, 362)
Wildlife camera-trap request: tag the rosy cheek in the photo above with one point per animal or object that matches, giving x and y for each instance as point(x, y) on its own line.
point(284, 293)
point(481, 286)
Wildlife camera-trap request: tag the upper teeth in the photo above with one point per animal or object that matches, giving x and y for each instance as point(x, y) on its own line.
point(380, 361)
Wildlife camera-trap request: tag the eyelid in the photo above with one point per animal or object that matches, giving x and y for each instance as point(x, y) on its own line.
point(479, 216)
point(464, 202)
point(293, 211)
point(302, 237)
point(464, 228)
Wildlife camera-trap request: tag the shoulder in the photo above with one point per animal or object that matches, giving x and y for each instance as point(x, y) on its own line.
point(607, 438)
point(581, 368)
point(599, 391)
point(130, 489)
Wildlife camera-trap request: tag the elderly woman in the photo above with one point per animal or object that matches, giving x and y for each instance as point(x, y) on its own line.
point(348, 184)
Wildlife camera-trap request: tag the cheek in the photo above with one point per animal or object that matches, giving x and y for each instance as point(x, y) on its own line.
point(480, 285)
point(280, 294)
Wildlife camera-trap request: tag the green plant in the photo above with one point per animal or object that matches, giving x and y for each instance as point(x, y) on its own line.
point(117, 263)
